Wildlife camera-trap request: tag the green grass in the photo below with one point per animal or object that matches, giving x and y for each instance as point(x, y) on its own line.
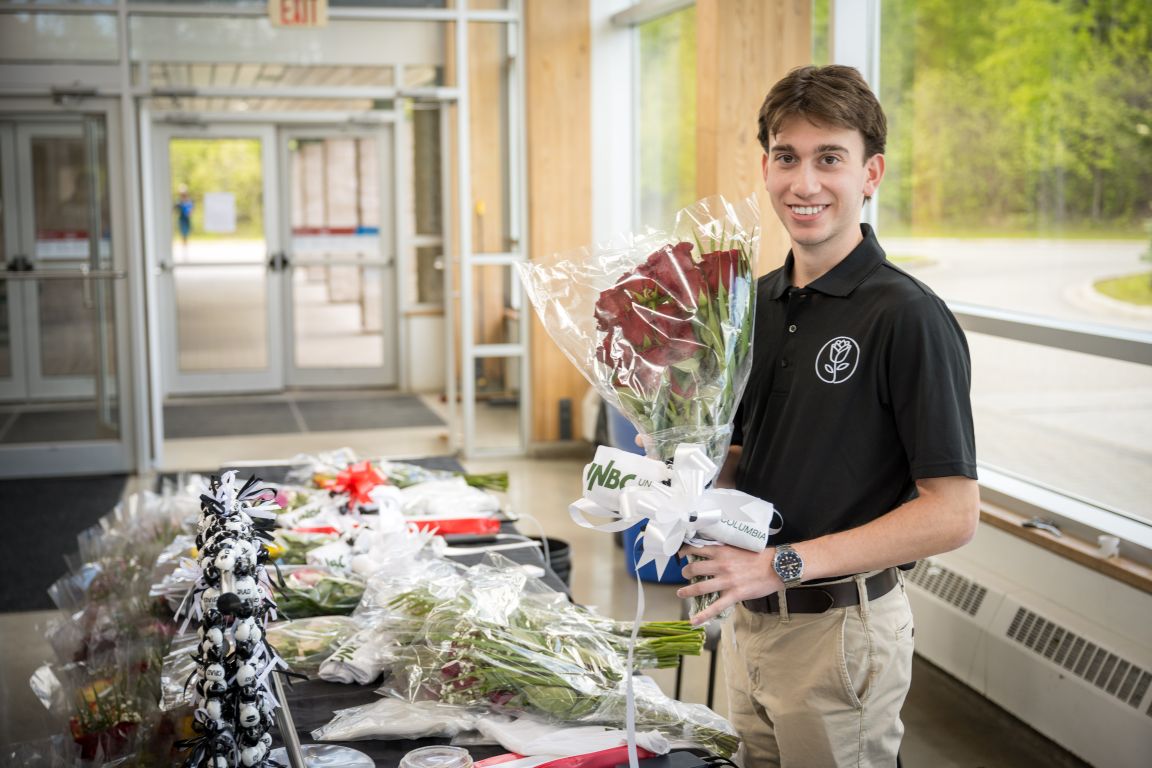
point(1134, 289)
point(911, 262)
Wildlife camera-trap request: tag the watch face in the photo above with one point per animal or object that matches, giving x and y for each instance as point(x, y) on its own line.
point(788, 564)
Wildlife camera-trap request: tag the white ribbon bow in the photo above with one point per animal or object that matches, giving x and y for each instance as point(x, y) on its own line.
point(628, 489)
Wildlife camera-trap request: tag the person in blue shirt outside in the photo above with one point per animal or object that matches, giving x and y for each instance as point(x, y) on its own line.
point(184, 206)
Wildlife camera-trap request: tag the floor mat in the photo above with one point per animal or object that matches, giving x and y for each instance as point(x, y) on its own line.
point(41, 518)
point(279, 472)
point(57, 426)
point(230, 418)
point(273, 417)
point(397, 411)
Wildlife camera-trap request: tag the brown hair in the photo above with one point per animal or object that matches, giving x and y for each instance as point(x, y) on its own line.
point(834, 95)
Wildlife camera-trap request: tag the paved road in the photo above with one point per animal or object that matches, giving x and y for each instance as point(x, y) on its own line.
point(1049, 277)
point(1078, 423)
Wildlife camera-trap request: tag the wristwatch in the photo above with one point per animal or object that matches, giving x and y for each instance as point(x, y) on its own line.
point(789, 566)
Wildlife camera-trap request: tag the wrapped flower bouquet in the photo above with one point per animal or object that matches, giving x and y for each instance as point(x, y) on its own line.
point(661, 325)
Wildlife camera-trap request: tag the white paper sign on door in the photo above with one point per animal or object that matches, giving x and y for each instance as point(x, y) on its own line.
point(219, 212)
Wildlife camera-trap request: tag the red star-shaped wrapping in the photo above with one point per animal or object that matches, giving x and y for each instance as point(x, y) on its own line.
point(356, 481)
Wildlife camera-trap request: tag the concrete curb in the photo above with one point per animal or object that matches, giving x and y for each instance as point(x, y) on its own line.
point(1088, 297)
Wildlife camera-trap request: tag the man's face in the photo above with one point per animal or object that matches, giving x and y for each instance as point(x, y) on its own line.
point(817, 179)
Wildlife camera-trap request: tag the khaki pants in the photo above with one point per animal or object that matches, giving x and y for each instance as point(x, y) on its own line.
point(820, 690)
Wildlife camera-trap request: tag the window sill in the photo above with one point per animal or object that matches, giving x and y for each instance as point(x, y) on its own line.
point(1085, 553)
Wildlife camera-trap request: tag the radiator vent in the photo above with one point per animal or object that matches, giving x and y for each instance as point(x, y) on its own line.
point(949, 586)
point(1083, 658)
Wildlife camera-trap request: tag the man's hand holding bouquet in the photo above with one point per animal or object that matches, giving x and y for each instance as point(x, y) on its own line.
point(661, 325)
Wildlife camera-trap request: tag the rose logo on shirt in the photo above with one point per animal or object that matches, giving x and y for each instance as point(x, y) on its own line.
point(837, 360)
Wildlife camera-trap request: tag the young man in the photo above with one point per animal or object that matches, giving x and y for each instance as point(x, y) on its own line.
point(857, 425)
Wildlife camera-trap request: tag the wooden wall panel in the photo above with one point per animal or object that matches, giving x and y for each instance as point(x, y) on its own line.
point(743, 47)
point(559, 179)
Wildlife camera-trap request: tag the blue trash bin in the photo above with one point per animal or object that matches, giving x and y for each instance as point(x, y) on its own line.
point(622, 435)
point(634, 549)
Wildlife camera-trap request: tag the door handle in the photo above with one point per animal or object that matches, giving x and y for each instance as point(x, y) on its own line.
point(19, 263)
point(278, 261)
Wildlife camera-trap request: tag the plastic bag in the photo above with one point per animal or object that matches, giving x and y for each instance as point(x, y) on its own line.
point(396, 719)
point(56, 751)
point(529, 736)
point(317, 591)
point(305, 643)
point(661, 323)
point(505, 641)
point(451, 497)
point(365, 655)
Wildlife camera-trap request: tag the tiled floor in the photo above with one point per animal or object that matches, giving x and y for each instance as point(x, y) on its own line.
point(948, 725)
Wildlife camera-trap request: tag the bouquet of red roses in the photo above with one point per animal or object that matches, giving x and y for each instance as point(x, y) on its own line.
point(661, 324)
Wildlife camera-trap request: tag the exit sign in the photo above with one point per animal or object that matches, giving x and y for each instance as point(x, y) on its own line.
point(298, 13)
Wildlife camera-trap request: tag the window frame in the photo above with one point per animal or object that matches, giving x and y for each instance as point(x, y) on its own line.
point(856, 42)
point(855, 37)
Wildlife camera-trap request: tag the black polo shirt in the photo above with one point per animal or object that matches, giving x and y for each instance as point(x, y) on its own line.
point(859, 386)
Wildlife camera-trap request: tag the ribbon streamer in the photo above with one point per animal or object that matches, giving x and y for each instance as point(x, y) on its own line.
point(626, 489)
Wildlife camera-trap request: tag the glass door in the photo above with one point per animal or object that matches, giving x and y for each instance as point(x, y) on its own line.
point(61, 299)
point(219, 259)
point(59, 218)
point(338, 262)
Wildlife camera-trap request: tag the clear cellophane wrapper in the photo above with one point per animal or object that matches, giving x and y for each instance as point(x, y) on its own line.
point(503, 642)
point(660, 323)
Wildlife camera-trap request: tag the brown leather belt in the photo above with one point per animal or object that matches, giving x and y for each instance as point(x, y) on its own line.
point(819, 598)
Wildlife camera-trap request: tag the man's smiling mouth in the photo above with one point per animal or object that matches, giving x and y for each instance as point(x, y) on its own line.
point(807, 210)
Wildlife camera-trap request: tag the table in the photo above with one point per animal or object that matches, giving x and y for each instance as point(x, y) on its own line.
point(312, 702)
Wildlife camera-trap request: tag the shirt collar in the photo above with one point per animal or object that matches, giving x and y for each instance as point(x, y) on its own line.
point(843, 278)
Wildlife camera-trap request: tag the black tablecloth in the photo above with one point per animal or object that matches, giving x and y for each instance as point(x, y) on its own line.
point(312, 703)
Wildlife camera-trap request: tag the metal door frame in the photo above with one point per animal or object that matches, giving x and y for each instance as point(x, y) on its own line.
point(82, 456)
point(174, 381)
point(15, 386)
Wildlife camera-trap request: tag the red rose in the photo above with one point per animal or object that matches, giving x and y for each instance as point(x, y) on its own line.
point(639, 287)
point(612, 305)
point(629, 370)
point(674, 273)
point(636, 328)
point(719, 268)
point(641, 378)
point(670, 336)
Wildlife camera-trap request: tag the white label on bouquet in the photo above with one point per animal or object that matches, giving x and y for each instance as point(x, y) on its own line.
point(745, 521)
point(612, 470)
